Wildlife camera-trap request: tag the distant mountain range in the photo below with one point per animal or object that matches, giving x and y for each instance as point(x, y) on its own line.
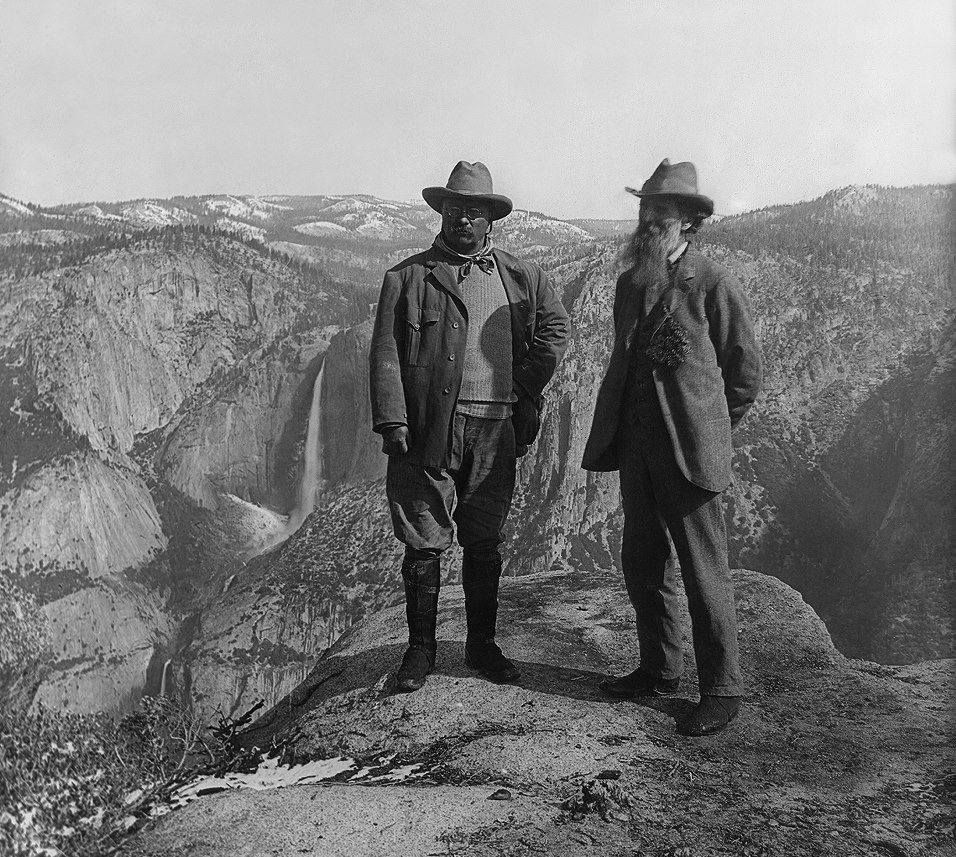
point(309, 220)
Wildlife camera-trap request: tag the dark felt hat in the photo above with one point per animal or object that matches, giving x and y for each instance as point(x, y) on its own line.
point(676, 180)
point(469, 183)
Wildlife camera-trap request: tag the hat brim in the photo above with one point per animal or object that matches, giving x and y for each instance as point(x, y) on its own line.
point(501, 206)
point(703, 203)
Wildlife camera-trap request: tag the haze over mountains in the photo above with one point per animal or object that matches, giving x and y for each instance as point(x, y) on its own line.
point(159, 368)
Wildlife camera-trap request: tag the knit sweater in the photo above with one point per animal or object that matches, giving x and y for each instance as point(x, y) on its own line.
point(487, 384)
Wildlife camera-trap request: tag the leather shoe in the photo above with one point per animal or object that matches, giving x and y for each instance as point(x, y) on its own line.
point(711, 715)
point(416, 665)
point(489, 660)
point(639, 683)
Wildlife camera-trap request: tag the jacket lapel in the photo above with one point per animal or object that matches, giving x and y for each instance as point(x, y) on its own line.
point(517, 292)
point(445, 275)
point(686, 268)
point(651, 296)
point(686, 271)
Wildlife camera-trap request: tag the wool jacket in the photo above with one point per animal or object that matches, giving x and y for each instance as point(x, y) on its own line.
point(703, 397)
point(418, 346)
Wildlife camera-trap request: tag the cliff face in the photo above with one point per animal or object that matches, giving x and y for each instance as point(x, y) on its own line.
point(140, 387)
point(894, 467)
point(260, 637)
point(352, 453)
point(24, 647)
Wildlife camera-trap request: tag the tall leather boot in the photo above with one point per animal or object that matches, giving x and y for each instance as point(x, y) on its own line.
point(480, 573)
point(422, 579)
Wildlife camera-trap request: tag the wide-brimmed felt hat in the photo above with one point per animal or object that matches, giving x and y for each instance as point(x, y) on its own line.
point(469, 183)
point(676, 180)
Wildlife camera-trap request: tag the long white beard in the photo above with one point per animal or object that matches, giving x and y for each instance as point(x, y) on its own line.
point(648, 249)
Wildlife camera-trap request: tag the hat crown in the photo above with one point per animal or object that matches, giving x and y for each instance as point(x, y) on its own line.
point(675, 180)
point(469, 182)
point(668, 178)
point(470, 178)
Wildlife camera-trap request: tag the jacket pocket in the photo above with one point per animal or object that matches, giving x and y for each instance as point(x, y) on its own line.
point(421, 333)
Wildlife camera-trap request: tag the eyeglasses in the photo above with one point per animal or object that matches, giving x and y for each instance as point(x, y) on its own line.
point(456, 211)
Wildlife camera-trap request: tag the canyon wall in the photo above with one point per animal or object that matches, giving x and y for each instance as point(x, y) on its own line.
point(142, 388)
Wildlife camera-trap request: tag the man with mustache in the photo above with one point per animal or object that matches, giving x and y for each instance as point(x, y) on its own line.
point(466, 337)
point(684, 370)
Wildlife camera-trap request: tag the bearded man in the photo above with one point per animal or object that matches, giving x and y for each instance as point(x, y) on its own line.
point(466, 337)
point(684, 370)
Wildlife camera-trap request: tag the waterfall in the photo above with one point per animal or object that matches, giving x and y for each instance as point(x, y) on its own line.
point(311, 482)
point(312, 471)
point(162, 681)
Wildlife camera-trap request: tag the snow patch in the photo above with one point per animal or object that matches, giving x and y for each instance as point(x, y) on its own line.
point(148, 213)
point(320, 227)
point(271, 775)
point(38, 236)
point(9, 205)
point(253, 207)
point(521, 219)
point(244, 230)
point(854, 197)
point(94, 212)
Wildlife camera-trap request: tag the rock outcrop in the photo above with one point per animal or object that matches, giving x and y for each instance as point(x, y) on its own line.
point(262, 635)
point(903, 439)
point(24, 647)
point(352, 453)
point(828, 756)
point(141, 389)
point(68, 533)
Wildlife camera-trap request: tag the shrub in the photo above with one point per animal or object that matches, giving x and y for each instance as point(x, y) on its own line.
point(77, 784)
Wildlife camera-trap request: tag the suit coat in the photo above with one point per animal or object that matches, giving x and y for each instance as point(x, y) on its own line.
point(417, 353)
point(702, 398)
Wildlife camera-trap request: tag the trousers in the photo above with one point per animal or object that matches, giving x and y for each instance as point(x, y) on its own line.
point(658, 500)
point(473, 494)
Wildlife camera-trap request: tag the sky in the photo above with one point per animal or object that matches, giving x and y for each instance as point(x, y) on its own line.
point(566, 102)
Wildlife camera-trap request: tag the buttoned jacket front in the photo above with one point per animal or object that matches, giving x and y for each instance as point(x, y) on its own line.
point(703, 397)
point(419, 338)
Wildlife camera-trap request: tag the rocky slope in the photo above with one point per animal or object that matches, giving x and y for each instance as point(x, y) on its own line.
point(141, 386)
point(353, 454)
point(829, 756)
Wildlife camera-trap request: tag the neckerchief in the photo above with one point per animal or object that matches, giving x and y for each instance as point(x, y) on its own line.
point(483, 258)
